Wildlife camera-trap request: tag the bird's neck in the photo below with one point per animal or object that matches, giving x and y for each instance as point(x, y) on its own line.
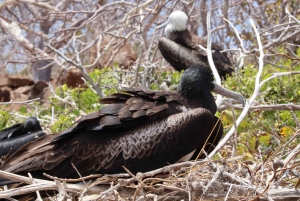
point(171, 32)
point(202, 99)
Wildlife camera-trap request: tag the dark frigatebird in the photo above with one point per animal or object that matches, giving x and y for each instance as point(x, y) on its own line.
point(12, 138)
point(176, 31)
point(140, 129)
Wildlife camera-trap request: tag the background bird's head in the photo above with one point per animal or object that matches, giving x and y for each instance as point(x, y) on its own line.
point(177, 21)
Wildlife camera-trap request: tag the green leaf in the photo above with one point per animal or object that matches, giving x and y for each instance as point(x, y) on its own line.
point(23, 110)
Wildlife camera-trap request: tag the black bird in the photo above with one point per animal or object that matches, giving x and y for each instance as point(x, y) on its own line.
point(12, 138)
point(176, 30)
point(139, 128)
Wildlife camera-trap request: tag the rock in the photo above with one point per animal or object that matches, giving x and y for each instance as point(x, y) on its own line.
point(39, 86)
point(17, 97)
point(3, 79)
point(4, 95)
point(72, 78)
point(46, 93)
point(37, 90)
point(16, 81)
point(23, 89)
point(7, 88)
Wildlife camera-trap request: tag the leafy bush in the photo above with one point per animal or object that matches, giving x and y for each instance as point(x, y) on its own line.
point(266, 128)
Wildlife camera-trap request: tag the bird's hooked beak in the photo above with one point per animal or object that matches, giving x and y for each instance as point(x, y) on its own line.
point(230, 94)
point(163, 24)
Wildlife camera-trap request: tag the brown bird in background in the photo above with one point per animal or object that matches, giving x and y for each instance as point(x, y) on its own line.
point(176, 31)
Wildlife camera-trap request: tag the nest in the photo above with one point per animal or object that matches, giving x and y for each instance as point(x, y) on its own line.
point(219, 179)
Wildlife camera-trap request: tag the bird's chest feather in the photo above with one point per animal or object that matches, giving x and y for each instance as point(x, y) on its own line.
point(179, 130)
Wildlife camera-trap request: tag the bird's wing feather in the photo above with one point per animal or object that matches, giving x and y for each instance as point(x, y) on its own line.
point(91, 152)
point(137, 146)
point(29, 157)
point(4, 134)
point(221, 59)
point(128, 109)
point(9, 146)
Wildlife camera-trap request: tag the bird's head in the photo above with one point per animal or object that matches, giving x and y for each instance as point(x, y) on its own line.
point(32, 124)
point(177, 21)
point(196, 80)
point(197, 83)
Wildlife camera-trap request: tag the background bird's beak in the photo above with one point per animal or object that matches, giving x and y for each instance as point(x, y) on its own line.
point(230, 94)
point(162, 25)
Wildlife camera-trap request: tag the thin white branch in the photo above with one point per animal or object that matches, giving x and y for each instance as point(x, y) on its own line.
point(79, 66)
point(67, 99)
point(292, 155)
point(251, 100)
point(14, 30)
point(291, 16)
point(33, 2)
point(19, 102)
point(289, 106)
point(237, 35)
point(210, 59)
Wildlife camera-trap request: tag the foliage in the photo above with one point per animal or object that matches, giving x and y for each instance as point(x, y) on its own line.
point(85, 99)
point(167, 78)
point(266, 128)
point(65, 114)
point(5, 117)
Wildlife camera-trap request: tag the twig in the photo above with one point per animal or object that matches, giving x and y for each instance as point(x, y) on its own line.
point(39, 186)
point(67, 99)
point(289, 106)
point(93, 176)
point(19, 102)
point(78, 173)
point(85, 74)
point(37, 192)
point(62, 193)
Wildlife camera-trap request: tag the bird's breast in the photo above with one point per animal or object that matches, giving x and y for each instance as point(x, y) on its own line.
point(168, 131)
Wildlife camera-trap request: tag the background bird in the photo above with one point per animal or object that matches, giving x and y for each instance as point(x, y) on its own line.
point(140, 129)
point(176, 30)
point(12, 138)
